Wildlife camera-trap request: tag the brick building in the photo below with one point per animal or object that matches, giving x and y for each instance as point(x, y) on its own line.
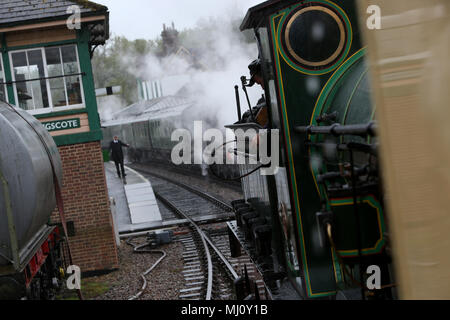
point(45, 68)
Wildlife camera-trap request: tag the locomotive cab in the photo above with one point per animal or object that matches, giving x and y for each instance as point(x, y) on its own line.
point(324, 204)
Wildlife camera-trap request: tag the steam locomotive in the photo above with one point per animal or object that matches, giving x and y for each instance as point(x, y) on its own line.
point(317, 228)
point(32, 260)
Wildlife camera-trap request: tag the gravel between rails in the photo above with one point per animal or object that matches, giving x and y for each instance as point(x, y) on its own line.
point(164, 282)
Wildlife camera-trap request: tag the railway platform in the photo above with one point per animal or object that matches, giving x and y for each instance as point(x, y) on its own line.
point(134, 204)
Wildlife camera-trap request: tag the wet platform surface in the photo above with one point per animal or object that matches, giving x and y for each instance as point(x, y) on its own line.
point(135, 207)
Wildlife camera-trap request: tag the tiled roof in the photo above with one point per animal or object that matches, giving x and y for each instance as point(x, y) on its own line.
point(19, 11)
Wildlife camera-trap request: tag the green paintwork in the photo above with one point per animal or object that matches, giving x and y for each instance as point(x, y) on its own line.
point(106, 157)
point(347, 48)
point(333, 86)
point(60, 113)
point(79, 138)
point(297, 102)
point(372, 221)
point(83, 37)
point(7, 71)
point(348, 93)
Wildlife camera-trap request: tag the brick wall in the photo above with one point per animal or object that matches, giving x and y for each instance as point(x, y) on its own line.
point(86, 204)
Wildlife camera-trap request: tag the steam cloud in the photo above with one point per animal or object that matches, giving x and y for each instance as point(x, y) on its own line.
point(108, 105)
point(220, 48)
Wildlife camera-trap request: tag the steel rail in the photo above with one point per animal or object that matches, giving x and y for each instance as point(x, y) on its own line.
point(224, 260)
point(204, 195)
point(202, 237)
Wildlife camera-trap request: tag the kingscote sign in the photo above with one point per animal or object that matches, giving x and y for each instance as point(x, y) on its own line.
point(65, 124)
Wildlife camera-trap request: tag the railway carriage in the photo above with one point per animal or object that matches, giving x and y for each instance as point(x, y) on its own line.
point(147, 126)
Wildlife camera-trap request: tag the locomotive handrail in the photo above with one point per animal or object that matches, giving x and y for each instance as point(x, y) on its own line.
point(362, 147)
point(244, 126)
point(340, 130)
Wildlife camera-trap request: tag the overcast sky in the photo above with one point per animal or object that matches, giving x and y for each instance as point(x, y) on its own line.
point(144, 18)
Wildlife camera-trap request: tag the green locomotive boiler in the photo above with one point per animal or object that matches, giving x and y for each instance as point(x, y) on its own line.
point(317, 227)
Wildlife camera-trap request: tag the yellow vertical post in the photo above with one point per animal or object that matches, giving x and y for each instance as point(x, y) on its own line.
point(410, 70)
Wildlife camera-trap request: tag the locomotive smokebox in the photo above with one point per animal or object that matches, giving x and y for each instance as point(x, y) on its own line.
point(27, 152)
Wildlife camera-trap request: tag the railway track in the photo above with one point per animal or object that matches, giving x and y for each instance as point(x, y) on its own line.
point(200, 273)
point(200, 206)
point(209, 270)
point(187, 171)
point(156, 183)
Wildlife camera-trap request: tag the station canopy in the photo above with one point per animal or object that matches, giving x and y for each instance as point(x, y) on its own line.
point(147, 110)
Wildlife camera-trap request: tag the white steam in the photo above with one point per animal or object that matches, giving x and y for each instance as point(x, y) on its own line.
point(108, 105)
point(219, 49)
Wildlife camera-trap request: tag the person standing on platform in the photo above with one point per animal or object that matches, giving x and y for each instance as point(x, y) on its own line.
point(117, 154)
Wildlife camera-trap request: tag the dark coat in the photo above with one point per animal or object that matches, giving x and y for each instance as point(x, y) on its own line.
point(117, 152)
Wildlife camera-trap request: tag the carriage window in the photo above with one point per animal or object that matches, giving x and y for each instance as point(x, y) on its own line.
point(47, 78)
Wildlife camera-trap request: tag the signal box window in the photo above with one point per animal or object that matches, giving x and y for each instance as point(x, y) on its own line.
point(47, 79)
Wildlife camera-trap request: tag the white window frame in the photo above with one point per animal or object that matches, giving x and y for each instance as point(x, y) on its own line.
point(51, 108)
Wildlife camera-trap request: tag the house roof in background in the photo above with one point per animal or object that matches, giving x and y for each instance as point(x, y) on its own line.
point(22, 11)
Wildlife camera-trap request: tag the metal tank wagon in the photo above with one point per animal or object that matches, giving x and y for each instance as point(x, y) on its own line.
point(30, 257)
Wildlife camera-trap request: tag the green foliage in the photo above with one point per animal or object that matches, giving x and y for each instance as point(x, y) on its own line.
point(121, 61)
point(116, 64)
